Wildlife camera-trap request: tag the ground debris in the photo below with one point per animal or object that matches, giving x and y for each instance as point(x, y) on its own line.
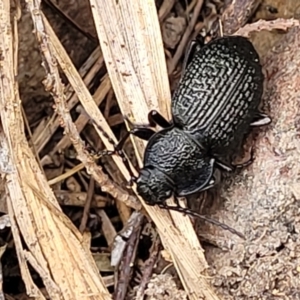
point(163, 287)
point(262, 201)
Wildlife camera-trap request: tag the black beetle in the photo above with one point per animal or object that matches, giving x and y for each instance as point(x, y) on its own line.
point(215, 104)
point(213, 109)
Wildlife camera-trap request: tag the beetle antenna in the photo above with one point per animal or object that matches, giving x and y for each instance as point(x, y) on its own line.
point(202, 217)
point(118, 148)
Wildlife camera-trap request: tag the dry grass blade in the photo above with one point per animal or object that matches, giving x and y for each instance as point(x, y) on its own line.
point(54, 246)
point(185, 37)
point(43, 134)
point(130, 57)
point(91, 108)
point(133, 51)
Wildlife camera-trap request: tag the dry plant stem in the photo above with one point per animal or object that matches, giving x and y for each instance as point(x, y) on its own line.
point(122, 237)
point(83, 119)
point(115, 120)
point(148, 269)
point(66, 175)
point(130, 71)
point(31, 216)
point(67, 198)
point(55, 247)
point(109, 280)
point(134, 57)
point(31, 288)
point(30, 138)
point(282, 24)
point(185, 38)
point(48, 281)
point(109, 100)
point(190, 7)
point(125, 267)
point(165, 8)
point(90, 107)
point(44, 133)
point(87, 205)
point(65, 16)
point(108, 229)
point(237, 14)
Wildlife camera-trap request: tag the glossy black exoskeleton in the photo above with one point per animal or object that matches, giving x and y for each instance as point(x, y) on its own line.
point(215, 104)
point(213, 108)
point(218, 96)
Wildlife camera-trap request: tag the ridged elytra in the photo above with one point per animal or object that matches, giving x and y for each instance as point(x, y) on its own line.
point(218, 97)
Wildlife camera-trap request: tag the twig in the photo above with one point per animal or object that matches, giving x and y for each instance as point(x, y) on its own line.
point(126, 263)
point(88, 103)
point(67, 198)
point(122, 237)
point(147, 269)
point(185, 38)
point(31, 288)
point(83, 119)
point(108, 229)
point(87, 205)
point(165, 8)
point(43, 133)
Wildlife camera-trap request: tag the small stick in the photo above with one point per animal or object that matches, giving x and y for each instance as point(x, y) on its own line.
point(87, 205)
point(148, 268)
point(125, 267)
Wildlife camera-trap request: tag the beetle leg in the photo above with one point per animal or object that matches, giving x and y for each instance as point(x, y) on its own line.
point(225, 166)
point(248, 162)
point(176, 201)
point(142, 133)
point(155, 118)
point(131, 182)
point(215, 179)
point(117, 148)
point(231, 167)
point(260, 119)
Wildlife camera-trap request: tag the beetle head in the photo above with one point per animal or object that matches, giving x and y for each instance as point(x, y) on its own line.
point(154, 186)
